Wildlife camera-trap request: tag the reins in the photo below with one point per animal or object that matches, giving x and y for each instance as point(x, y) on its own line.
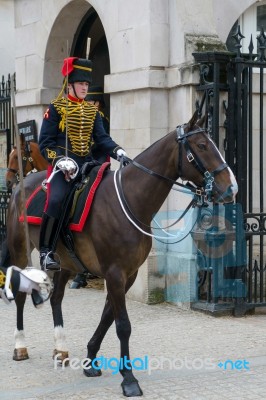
point(197, 191)
point(200, 194)
point(192, 204)
point(133, 222)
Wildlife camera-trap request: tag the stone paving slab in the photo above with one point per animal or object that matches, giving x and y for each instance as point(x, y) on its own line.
point(186, 346)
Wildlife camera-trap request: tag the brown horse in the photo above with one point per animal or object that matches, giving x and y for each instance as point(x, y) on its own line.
point(32, 160)
point(109, 237)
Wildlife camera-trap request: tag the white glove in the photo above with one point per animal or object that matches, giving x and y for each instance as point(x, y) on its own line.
point(120, 153)
point(69, 167)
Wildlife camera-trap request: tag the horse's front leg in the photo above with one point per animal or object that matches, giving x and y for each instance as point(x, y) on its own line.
point(117, 290)
point(130, 384)
point(60, 352)
point(20, 351)
point(94, 344)
point(106, 321)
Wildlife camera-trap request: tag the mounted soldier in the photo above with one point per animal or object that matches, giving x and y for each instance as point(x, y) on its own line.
point(69, 128)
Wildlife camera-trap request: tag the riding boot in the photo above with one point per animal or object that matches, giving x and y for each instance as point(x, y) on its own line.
point(47, 237)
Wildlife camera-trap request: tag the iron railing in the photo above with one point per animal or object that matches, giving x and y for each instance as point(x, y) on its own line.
point(232, 90)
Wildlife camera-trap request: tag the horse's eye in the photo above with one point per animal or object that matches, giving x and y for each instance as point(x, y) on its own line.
point(202, 146)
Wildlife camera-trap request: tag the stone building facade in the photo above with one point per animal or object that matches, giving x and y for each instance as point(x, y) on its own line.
point(142, 54)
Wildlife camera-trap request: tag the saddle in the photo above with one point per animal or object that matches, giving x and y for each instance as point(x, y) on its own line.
point(78, 203)
point(75, 208)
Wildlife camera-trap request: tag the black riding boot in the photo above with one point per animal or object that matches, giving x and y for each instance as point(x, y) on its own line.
point(47, 237)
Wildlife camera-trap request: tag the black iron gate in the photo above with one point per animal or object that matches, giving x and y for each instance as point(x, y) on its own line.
point(6, 140)
point(233, 90)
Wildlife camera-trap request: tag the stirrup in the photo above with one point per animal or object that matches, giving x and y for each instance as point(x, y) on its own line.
point(49, 268)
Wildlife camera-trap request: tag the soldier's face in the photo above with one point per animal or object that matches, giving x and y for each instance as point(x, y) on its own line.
point(78, 89)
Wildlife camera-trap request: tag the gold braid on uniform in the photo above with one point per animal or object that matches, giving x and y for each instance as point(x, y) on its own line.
point(2, 279)
point(80, 121)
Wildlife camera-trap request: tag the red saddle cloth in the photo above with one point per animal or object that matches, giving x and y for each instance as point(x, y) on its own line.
point(36, 202)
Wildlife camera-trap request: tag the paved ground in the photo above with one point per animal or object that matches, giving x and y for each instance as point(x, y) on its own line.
point(186, 347)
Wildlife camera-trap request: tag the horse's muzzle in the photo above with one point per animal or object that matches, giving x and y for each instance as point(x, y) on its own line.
point(228, 196)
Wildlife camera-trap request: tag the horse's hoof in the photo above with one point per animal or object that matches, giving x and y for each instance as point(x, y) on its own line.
point(61, 357)
point(20, 354)
point(78, 285)
point(92, 372)
point(131, 389)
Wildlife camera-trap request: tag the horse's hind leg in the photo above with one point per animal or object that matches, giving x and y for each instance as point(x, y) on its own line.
point(60, 280)
point(115, 308)
point(20, 351)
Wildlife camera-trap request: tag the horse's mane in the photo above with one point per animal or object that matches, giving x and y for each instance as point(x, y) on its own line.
point(153, 145)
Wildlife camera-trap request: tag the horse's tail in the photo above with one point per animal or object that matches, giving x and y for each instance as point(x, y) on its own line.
point(5, 255)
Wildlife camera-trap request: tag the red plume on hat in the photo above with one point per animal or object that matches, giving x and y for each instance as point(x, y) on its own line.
point(68, 65)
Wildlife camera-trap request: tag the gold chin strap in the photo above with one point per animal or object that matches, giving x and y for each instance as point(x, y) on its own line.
point(80, 67)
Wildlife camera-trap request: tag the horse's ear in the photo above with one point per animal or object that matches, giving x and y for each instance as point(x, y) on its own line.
point(202, 120)
point(193, 120)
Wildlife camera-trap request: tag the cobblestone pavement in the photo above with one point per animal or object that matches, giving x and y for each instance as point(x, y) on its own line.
point(186, 347)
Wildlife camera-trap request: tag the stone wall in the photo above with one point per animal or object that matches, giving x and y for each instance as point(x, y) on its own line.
point(7, 38)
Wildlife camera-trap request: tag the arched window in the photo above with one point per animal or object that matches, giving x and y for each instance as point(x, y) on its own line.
point(251, 22)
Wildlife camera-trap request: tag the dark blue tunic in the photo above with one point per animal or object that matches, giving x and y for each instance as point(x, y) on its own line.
point(84, 127)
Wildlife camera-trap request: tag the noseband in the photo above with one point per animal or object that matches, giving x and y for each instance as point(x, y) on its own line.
point(26, 158)
point(181, 137)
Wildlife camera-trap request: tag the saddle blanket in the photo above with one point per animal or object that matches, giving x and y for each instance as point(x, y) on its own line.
point(81, 205)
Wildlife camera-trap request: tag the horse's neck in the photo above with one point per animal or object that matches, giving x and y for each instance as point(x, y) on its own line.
point(146, 192)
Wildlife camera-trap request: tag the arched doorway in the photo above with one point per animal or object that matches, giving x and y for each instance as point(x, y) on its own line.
point(83, 21)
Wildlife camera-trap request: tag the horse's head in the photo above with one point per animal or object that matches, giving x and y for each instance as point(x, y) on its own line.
point(32, 160)
point(201, 162)
point(12, 174)
point(12, 169)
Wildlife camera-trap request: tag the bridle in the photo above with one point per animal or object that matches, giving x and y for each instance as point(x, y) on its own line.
point(201, 194)
point(181, 137)
point(25, 159)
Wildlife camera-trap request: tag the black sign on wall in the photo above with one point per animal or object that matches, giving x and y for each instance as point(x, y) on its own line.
point(28, 130)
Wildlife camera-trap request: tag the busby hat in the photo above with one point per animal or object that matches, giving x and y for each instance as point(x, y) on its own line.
point(95, 93)
point(77, 69)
